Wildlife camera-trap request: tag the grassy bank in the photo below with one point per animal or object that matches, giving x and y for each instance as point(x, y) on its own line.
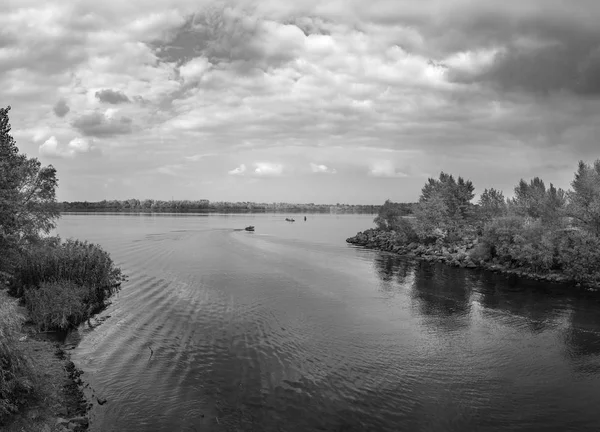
point(53, 285)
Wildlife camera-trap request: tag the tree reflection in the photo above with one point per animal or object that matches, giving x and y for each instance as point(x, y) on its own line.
point(582, 338)
point(395, 272)
point(523, 298)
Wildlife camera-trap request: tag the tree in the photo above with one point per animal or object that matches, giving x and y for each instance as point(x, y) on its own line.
point(444, 206)
point(390, 215)
point(535, 201)
point(27, 192)
point(492, 204)
point(584, 199)
point(456, 194)
point(432, 218)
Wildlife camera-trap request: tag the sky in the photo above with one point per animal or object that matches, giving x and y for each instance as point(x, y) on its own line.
point(308, 101)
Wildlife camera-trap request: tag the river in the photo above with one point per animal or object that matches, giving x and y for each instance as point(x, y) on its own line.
point(291, 329)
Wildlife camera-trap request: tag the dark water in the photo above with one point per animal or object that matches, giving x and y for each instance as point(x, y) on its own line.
point(291, 329)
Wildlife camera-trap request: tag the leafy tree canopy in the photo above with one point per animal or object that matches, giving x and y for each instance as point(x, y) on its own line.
point(27, 191)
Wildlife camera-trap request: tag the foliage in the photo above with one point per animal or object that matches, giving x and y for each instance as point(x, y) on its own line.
point(456, 194)
point(27, 192)
point(57, 305)
point(389, 217)
point(584, 199)
point(84, 264)
point(533, 200)
point(16, 375)
point(500, 234)
point(492, 204)
point(580, 255)
point(432, 219)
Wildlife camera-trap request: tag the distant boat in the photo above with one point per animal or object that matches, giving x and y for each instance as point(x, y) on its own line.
point(249, 228)
point(290, 220)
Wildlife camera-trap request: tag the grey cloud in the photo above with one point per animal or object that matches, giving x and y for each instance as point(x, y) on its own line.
point(61, 108)
point(225, 36)
point(96, 124)
point(111, 96)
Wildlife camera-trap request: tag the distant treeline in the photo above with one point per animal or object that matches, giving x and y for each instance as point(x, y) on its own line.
point(183, 206)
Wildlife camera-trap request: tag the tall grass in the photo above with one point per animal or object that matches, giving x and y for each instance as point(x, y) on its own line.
point(64, 283)
point(16, 375)
point(57, 305)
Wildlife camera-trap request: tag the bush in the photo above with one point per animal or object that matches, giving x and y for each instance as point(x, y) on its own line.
point(82, 263)
point(15, 372)
point(579, 255)
point(57, 305)
point(80, 274)
point(405, 232)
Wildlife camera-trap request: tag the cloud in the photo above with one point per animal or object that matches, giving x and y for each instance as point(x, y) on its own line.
point(200, 156)
point(101, 125)
point(266, 169)
point(376, 89)
point(240, 170)
point(77, 146)
point(111, 96)
point(61, 108)
point(385, 169)
point(322, 169)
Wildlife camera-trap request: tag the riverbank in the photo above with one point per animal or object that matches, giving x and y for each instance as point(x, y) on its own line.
point(462, 254)
point(56, 402)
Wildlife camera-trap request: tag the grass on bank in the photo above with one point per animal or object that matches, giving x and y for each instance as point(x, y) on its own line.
point(16, 374)
point(63, 284)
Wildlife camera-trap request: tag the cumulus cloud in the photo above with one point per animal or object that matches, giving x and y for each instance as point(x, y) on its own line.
point(355, 85)
point(101, 125)
point(268, 169)
point(385, 169)
point(61, 108)
point(111, 96)
point(77, 146)
point(316, 168)
point(240, 170)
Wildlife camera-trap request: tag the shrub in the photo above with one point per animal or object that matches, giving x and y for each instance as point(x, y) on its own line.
point(579, 255)
point(500, 234)
point(82, 263)
point(15, 372)
point(57, 305)
point(405, 233)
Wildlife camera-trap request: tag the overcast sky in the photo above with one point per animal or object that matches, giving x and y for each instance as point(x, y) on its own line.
point(305, 101)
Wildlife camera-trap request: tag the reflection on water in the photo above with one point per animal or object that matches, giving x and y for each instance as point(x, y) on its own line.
point(290, 329)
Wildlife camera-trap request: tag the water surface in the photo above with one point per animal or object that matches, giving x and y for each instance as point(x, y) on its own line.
point(291, 329)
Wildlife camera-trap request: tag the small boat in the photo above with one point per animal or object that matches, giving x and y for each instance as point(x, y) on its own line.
point(290, 220)
point(249, 228)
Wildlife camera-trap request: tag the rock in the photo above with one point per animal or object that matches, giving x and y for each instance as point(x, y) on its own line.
point(80, 420)
point(61, 422)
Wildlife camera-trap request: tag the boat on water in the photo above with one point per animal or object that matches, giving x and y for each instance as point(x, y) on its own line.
point(290, 220)
point(249, 228)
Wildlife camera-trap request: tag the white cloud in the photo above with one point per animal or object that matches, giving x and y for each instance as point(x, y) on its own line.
point(52, 149)
point(239, 170)
point(322, 169)
point(193, 70)
point(268, 169)
point(384, 169)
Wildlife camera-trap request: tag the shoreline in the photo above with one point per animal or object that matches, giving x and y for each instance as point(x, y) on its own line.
point(58, 403)
point(456, 256)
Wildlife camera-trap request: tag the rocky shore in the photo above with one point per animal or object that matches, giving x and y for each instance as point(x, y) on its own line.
point(457, 255)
